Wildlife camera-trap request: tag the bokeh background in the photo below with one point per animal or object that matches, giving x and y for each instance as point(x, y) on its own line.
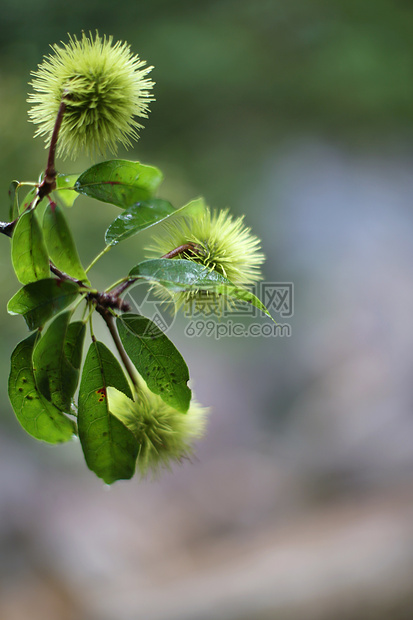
point(299, 503)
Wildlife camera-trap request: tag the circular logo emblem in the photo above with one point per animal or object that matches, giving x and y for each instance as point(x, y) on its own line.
point(153, 302)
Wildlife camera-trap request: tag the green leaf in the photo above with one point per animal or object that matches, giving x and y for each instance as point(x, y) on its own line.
point(73, 347)
point(136, 218)
point(179, 274)
point(157, 359)
point(143, 215)
point(39, 301)
point(60, 244)
point(110, 448)
point(38, 417)
point(13, 200)
point(55, 375)
point(64, 192)
point(28, 251)
point(119, 182)
point(28, 199)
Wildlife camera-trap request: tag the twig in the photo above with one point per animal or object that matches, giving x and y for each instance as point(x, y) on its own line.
point(99, 256)
point(48, 184)
point(121, 288)
point(191, 248)
point(7, 228)
point(65, 276)
point(110, 322)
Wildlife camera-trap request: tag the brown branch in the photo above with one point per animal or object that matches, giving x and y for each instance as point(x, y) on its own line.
point(190, 248)
point(48, 184)
point(65, 276)
point(110, 322)
point(7, 228)
point(122, 287)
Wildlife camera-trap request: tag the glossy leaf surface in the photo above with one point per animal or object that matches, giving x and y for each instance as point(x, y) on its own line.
point(184, 275)
point(28, 251)
point(64, 192)
point(119, 182)
point(110, 448)
point(143, 215)
point(136, 218)
point(157, 359)
point(55, 375)
point(39, 301)
point(39, 418)
point(60, 245)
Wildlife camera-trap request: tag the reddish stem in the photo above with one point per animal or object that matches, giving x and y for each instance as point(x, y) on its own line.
point(49, 182)
point(186, 247)
point(110, 322)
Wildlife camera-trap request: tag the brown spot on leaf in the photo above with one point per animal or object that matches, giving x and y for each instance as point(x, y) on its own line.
point(102, 394)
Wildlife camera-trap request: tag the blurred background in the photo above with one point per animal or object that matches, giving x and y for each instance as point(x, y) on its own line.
point(299, 503)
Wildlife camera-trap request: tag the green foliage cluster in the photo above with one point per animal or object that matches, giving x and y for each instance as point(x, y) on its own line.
point(46, 366)
point(54, 391)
